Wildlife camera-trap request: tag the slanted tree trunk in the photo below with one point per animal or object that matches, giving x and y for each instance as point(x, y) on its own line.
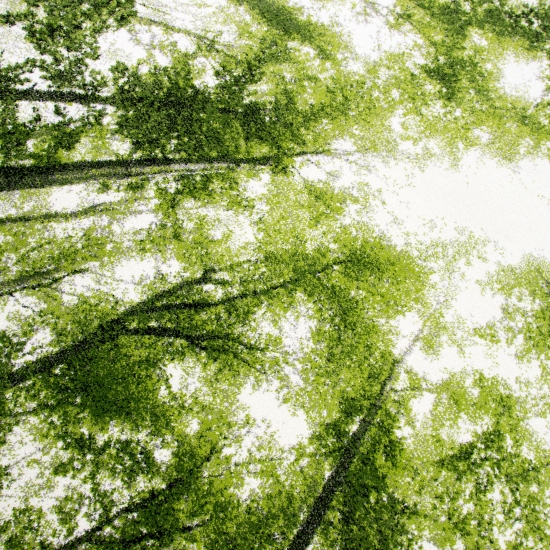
point(55, 96)
point(17, 177)
point(337, 478)
point(61, 216)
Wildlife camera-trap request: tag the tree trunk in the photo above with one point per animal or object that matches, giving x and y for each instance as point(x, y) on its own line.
point(16, 177)
point(55, 96)
point(335, 481)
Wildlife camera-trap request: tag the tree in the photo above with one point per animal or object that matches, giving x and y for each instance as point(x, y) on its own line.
point(524, 320)
point(450, 98)
point(336, 480)
point(122, 398)
point(286, 87)
point(486, 486)
point(180, 321)
point(65, 39)
point(189, 121)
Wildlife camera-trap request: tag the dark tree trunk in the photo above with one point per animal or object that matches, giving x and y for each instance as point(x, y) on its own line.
point(337, 478)
point(55, 96)
point(16, 177)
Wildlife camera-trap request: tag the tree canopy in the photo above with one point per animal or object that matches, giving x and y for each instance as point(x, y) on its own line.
point(204, 257)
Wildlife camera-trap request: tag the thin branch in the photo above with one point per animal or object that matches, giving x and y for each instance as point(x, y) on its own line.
point(198, 339)
point(18, 300)
point(59, 216)
point(23, 279)
point(18, 287)
point(106, 332)
point(23, 458)
point(152, 498)
point(208, 41)
point(236, 355)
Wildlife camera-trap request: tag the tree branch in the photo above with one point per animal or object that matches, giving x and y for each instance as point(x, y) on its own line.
point(207, 304)
point(106, 332)
point(25, 283)
point(153, 498)
point(55, 96)
point(170, 332)
point(59, 216)
point(198, 339)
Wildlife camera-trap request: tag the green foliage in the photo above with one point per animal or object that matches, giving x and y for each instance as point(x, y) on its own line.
point(164, 113)
point(107, 368)
point(515, 21)
point(456, 83)
point(65, 34)
point(121, 396)
point(290, 23)
point(491, 482)
point(525, 320)
point(367, 513)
